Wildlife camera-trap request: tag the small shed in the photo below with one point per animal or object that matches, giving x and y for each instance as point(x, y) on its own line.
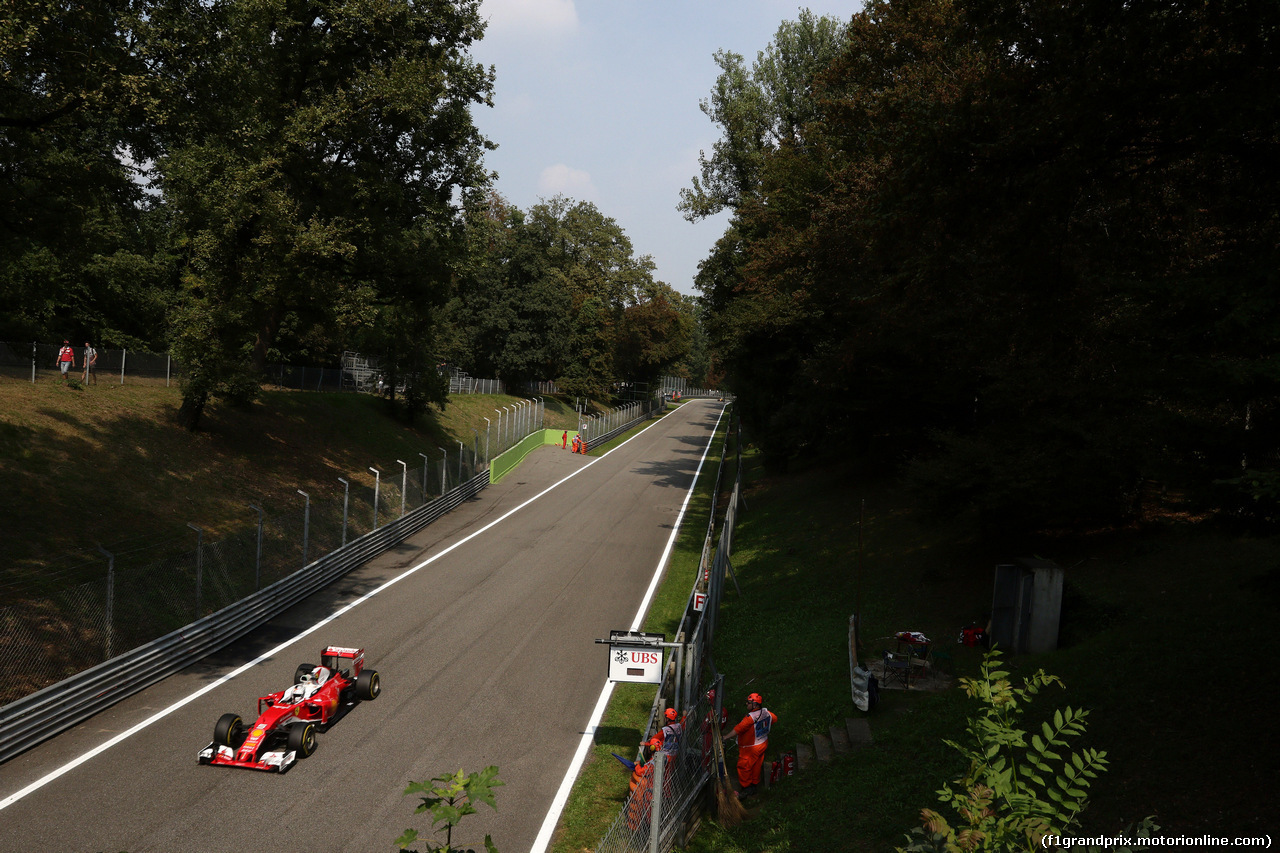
point(1026, 606)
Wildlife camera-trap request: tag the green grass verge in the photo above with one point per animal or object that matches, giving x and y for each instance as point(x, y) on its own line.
point(1147, 618)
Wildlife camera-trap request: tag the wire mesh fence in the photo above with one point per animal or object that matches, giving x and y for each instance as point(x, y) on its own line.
point(683, 774)
point(83, 609)
point(42, 362)
point(657, 812)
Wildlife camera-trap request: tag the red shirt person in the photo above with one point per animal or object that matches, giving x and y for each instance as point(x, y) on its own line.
point(66, 357)
point(753, 738)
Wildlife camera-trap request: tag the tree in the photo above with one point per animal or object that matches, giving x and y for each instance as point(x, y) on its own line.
point(760, 110)
point(653, 337)
point(510, 315)
point(596, 275)
point(998, 254)
point(325, 189)
point(75, 256)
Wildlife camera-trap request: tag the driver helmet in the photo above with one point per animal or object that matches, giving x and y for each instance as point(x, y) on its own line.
point(307, 678)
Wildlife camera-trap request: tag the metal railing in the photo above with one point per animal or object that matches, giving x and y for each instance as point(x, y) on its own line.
point(598, 429)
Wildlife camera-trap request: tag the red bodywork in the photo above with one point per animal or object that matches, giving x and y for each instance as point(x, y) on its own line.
point(265, 744)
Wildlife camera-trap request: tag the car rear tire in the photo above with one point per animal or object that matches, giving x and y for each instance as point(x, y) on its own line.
point(302, 738)
point(229, 731)
point(303, 669)
point(368, 685)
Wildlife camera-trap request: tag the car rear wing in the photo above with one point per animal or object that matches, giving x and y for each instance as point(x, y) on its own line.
point(343, 659)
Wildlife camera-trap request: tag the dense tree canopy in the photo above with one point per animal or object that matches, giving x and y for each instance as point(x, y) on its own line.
point(323, 199)
point(558, 293)
point(760, 110)
point(75, 257)
point(1029, 249)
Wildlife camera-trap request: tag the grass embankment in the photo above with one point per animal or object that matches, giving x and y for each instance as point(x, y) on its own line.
point(1166, 637)
point(108, 464)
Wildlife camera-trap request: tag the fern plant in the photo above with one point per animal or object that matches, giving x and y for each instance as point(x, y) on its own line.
point(1019, 786)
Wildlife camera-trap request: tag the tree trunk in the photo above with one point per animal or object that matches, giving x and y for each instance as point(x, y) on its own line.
point(266, 336)
point(192, 408)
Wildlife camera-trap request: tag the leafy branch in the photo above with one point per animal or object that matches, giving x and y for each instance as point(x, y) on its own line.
point(1019, 786)
point(450, 798)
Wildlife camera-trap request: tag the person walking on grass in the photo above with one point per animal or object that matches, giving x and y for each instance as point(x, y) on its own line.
point(66, 359)
point(90, 363)
point(753, 738)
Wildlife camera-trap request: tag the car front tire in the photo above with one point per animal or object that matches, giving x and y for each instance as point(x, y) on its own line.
point(302, 738)
point(229, 731)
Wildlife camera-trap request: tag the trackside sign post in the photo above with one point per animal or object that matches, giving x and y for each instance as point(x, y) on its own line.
point(635, 656)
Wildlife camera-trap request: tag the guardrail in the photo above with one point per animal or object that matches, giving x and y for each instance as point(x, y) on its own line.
point(43, 714)
point(597, 440)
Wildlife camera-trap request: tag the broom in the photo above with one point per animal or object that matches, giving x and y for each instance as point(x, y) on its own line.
point(729, 811)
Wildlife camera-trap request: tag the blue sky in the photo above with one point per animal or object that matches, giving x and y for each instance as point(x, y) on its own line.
point(597, 100)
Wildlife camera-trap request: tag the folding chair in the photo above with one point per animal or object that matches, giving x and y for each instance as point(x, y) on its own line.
point(897, 667)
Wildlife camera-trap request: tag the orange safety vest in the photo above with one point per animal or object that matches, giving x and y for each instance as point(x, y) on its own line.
point(754, 728)
point(671, 738)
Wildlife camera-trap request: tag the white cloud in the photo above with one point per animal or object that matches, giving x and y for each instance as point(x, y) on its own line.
point(564, 180)
point(530, 17)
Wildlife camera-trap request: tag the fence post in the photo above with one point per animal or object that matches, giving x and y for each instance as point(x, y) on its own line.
point(111, 602)
point(404, 483)
point(346, 495)
point(424, 478)
point(306, 527)
point(377, 481)
point(459, 463)
point(33, 362)
point(168, 368)
point(124, 356)
point(257, 560)
point(499, 414)
point(655, 822)
point(486, 441)
point(199, 566)
point(444, 467)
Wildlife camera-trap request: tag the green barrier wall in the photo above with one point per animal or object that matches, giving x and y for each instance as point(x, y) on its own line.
point(505, 462)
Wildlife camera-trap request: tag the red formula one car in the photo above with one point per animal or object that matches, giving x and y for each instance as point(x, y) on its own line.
point(288, 720)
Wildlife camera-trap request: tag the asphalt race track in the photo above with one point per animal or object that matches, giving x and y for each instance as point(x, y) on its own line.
point(486, 654)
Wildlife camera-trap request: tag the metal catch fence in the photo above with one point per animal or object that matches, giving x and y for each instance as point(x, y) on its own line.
point(80, 611)
point(657, 811)
point(40, 362)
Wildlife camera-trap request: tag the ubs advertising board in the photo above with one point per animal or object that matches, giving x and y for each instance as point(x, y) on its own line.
point(635, 656)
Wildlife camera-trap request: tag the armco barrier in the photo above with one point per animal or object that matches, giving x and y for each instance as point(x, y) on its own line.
point(43, 714)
